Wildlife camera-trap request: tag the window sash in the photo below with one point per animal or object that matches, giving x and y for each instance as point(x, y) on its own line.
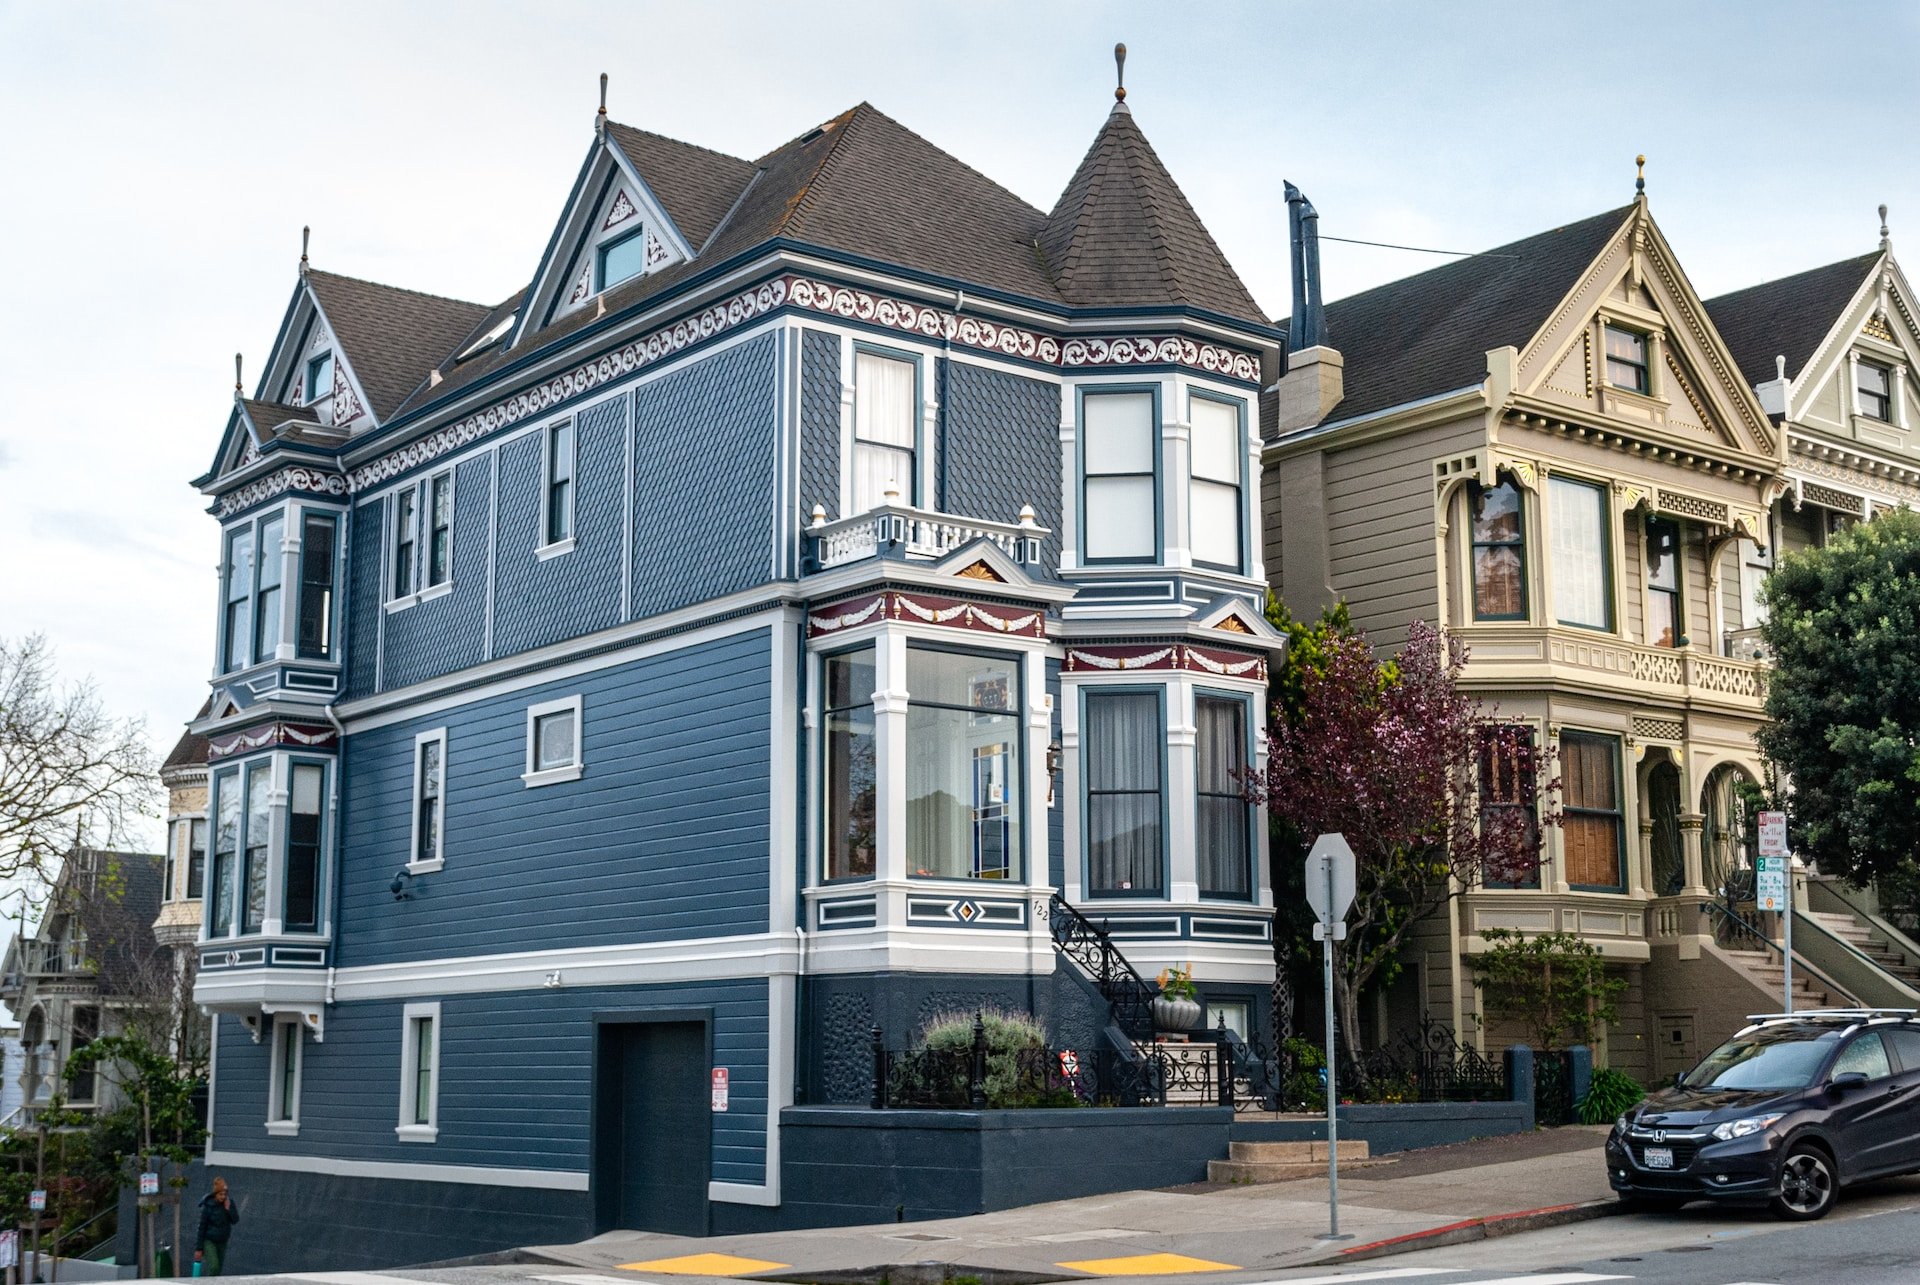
point(300, 891)
point(196, 859)
point(176, 839)
point(1120, 472)
point(1873, 385)
point(423, 1070)
point(555, 741)
point(849, 769)
point(1582, 555)
point(266, 611)
point(1626, 359)
point(1126, 840)
point(316, 588)
point(440, 529)
point(1593, 833)
point(963, 765)
point(228, 802)
point(239, 599)
point(406, 531)
point(428, 788)
point(253, 900)
point(319, 378)
point(1498, 544)
point(287, 1037)
point(560, 470)
point(620, 259)
point(1214, 520)
point(1224, 823)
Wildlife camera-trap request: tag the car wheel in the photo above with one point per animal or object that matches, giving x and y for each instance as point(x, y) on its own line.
point(1651, 1204)
point(1808, 1185)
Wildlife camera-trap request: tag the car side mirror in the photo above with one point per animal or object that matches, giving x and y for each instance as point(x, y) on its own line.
point(1847, 1080)
point(1679, 1079)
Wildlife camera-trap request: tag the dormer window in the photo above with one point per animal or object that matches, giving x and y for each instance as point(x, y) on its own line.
point(1873, 390)
point(621, 258)
point(1627, 360)
point(319, 377)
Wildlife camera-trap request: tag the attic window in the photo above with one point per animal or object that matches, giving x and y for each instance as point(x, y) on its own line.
point(319, 377)
point(488, 340)
point(1874, 387)
point(621, 258)
point(1626, 359)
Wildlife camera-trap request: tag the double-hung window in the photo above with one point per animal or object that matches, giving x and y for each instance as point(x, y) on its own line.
point(238, 594)
point(300, 908)
point(553, 742)
point(620, 259)
point(1119, 494)
point(1499, 553)
point(319, 378)
point(196, 858)
point(253, 897)
point(1509, 806)
point(266, 606)
point(1215, 504)
point(1873, 389)
point(885, 429)
point(429, 799)
point(176, 839)
point(228, 802)
point(557, 519)
point(1627, 359)
point(1123, 742)
point(439, 528)
point(963, 765)
point(1224, 826)
point(83, 1028)
point(1593, 831)
point(1664, 621)
point(315, 640)
point(283, 1081)
point(419, 1073)
point(406, 540)
point(849, 771)
point(1582, 556)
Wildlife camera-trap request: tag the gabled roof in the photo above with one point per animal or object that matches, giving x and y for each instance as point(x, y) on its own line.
point(392, 337)
point(1429, 334)
point(1123, 233)
point(1788, 317)
point(191, 749)
point(696, 185)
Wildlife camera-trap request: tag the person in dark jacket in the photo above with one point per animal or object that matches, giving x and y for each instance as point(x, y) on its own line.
point(217, 1217)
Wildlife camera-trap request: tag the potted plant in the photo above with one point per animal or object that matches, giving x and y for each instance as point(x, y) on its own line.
point(1177, 1006)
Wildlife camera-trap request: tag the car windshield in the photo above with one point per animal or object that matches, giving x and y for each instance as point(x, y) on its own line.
point(1778, 1059)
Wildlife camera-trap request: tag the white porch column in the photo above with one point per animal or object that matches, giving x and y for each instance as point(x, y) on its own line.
point(289, 554)
point(1176, 467)
point(1183, 875)
point(1070, 475)
point(279, 792)
point(890, 771)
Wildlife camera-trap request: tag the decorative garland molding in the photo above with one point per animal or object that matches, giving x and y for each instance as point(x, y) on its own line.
point(1168, 657)
point(269, 735)
point(925, 609)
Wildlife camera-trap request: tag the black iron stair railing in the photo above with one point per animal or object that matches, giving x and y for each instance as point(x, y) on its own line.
point(1091, 948)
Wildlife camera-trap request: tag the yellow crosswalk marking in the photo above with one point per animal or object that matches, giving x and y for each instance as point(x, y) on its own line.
point(1147, 1265)
point(705, 1265)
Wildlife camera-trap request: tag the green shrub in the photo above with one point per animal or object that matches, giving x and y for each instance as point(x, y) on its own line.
point(1016, 1046)
point(1609, 1096)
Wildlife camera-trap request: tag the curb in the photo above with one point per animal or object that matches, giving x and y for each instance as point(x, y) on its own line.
point(1472, 1229)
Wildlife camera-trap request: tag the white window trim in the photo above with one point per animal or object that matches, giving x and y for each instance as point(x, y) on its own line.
point(406, 1130)
point(422, 589)
point(415, 866)
point(289, 1127)
point(555, 548)
point(533, 776)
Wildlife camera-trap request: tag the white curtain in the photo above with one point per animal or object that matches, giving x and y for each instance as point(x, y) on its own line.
point(1581, 591)
point(883, 430)
point(1215, 496)
point(1117, 431)
point(1221, 834)
point(1123, 743)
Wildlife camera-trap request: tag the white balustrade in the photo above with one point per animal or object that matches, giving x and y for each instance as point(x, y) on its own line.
point(898, 530)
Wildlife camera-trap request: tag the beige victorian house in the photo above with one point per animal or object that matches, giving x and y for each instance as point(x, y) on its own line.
point(1549, 449)
point(183, 880)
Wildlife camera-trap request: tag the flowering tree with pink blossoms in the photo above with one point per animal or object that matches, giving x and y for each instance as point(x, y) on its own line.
point(1434, 791)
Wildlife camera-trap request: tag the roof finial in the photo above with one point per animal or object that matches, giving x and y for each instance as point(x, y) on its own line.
point(1120, 73)
point(236, 375)
point(600, 121)
point(1640, 174)
point(305, 233)
point(1886, 240)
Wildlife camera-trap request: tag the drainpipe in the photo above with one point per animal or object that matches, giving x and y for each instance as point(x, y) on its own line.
point(340, 742)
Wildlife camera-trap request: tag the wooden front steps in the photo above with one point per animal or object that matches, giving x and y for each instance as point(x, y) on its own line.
point(1284, 1161)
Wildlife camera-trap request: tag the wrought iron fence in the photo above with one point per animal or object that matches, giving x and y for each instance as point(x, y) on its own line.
point(1426, 1064)
point(1553, 1087)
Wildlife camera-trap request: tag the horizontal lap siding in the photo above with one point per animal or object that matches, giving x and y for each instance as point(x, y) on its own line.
point(665, 835)
point(516, 1079)
point(1380, 527)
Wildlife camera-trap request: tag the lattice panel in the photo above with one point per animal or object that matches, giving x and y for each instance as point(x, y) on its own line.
point(1648, 728)
point(1692, 506)
point(1828, 498)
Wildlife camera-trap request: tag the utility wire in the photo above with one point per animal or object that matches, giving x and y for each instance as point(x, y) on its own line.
point(1418, 249)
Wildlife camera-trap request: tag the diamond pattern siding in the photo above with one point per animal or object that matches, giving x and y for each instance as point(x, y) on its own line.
point(1003, 448)
point(538, 602)
point(704, 480)
point(447, 633)
point(363, 599)
point(819, 423)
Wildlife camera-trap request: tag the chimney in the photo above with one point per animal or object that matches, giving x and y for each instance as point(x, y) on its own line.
point(1316, 376)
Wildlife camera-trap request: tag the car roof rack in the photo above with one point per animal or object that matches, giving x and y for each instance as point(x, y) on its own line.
point(1835, 1014)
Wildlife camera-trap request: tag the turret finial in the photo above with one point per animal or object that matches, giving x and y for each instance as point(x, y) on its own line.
point(1119, 73)
point(1640, 174)
point(237, 382)
point(306, 233)
point(600, 121)
point(1886, 239)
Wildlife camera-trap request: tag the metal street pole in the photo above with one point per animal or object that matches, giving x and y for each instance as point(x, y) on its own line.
point(1787, 864)
point(1333, 1114)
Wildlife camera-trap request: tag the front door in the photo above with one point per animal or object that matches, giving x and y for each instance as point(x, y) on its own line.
point(654, 1127)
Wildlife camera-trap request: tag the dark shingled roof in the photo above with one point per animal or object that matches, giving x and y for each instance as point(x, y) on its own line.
point(292, 423)
point(1123, 233)
point(392, 337)
point(696, 185)
point(191, 749)
point(1788, 317)
point(1430, 334)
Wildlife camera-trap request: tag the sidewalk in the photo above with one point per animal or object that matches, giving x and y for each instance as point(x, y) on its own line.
point(1224, 1232)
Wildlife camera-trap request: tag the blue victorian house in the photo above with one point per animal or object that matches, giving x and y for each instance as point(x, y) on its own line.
point(631, 693)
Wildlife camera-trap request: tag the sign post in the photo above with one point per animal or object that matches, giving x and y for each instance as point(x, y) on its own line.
point(1329, 884)
point(1773, 886)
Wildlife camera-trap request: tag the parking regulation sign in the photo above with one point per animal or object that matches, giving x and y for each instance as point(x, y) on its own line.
point(1770, 883)
point(1773, 834)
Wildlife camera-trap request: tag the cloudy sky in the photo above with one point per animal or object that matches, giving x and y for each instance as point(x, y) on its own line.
point(161, 158)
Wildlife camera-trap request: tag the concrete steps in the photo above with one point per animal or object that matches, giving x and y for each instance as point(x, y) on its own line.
point(1863, 939)
point(1249, 1162)
point(1770, 975)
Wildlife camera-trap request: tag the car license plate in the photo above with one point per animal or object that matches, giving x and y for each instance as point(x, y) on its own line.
point(1659, 1157)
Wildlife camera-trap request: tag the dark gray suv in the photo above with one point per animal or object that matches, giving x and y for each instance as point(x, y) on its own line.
point(1785, 1113)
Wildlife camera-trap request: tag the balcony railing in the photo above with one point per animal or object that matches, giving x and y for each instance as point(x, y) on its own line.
point(900, 531)
point(1684, 672)
point(52, 959)
point(1744, 644)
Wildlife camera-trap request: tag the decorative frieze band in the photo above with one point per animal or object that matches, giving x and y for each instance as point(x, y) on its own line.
point(270, 736)
point(925, 609)
point(310, 481)
point(749, 305)
point(1167, 656)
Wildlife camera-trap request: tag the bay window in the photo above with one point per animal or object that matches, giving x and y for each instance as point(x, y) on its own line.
point(1582, 555)
point(1123, 740)
point(849, 770)
point(266, 607)
point(301, 909)
point(1499, 541)
point(253, 897)
point(885, 429)
point(1215, 505)
point(1509, 806)
point(1223, 833)
point(315, 634)
point(1593, 832)
point(226, 850)
point(1663, 583)
point(963, 792)
point(1119, 486)
point(238, 600)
